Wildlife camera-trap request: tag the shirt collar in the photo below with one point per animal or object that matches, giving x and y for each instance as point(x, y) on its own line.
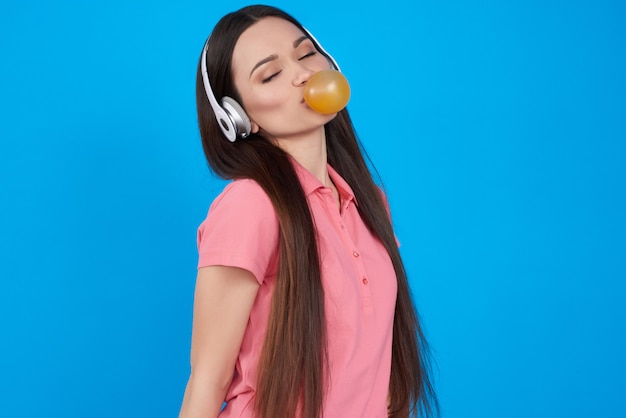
point(310, 183)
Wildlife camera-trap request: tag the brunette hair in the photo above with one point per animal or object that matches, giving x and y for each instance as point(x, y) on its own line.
point(293, 363)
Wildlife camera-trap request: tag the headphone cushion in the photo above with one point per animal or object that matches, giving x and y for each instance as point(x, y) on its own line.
point(238, 116)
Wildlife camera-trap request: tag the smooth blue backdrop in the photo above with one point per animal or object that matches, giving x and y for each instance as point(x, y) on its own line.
point(498, 129)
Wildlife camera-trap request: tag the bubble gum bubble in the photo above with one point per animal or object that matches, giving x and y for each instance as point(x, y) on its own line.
point(327, 92)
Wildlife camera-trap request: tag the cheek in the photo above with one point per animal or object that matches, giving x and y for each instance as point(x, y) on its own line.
point(269, 99)
point(261, 101)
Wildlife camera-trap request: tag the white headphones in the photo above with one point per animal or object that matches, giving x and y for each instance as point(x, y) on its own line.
point(230, 116)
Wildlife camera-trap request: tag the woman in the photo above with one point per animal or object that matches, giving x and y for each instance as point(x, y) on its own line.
point(302, 306)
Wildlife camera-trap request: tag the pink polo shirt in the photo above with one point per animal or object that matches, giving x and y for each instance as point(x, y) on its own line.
point(241, 230)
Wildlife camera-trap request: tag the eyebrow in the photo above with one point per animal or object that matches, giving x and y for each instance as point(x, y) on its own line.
point(274, 56)
point(300, 40)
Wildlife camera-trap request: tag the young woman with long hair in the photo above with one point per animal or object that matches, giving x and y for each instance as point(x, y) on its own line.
point(302, 306)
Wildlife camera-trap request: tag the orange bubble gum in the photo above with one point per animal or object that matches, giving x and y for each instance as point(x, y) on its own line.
point(327, 92)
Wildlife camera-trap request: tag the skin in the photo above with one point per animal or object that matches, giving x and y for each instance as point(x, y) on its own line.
point(271, 65)
point(226, 293)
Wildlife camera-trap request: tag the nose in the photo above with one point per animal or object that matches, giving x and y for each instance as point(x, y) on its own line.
point(302, 75)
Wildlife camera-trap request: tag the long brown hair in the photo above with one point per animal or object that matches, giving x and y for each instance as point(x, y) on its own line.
point(293, 363)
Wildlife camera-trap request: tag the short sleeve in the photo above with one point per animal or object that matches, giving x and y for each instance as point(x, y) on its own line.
point(240, 230)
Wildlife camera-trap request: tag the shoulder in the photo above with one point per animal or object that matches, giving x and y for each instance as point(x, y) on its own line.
point(242, 207)
point(244, 193)
point(241, 230)
point(383, 196)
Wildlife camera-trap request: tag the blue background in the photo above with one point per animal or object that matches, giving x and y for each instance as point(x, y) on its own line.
point(499, 131)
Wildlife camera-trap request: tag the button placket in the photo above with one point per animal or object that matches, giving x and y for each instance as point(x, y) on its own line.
point(365, 294)
point(337, 218)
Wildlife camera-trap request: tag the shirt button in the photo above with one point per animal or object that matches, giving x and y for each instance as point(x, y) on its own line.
point(365, 280)
point(343, 226)
point(355, 253)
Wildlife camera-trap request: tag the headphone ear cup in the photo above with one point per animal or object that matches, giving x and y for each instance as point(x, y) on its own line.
point(238, 117)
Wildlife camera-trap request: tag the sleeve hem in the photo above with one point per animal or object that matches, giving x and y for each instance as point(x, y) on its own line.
point(209, 258)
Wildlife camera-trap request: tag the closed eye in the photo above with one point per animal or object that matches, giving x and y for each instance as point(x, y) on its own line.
point(268, 79)
point(310, 54)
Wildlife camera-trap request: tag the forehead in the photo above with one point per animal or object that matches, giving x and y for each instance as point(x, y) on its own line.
point(270, 35)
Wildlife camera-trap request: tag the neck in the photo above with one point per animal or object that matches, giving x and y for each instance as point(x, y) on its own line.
point(310, 152)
